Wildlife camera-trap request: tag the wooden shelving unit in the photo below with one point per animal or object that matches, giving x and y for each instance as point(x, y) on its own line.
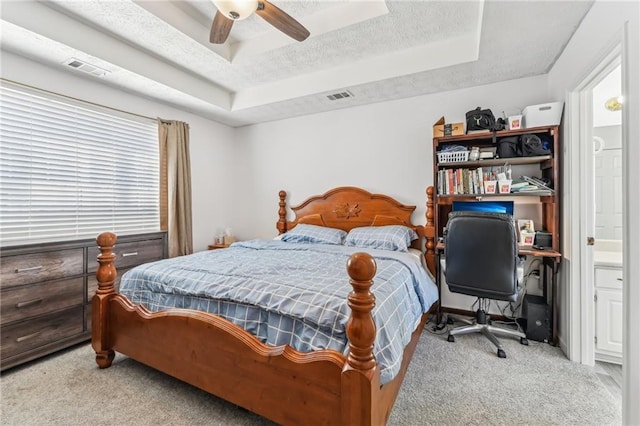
point(548, 166)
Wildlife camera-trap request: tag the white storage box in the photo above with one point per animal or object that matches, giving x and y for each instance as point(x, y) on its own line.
point(542, 115)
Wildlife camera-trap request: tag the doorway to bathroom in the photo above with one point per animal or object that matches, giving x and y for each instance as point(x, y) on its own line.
point(607, 104)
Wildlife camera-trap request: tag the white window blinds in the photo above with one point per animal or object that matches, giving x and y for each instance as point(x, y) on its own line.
point(72, 170)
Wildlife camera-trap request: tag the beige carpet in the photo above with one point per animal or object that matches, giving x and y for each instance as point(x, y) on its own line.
point(457, 383)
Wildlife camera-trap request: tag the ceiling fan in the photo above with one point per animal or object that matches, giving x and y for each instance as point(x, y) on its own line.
point(236, 10)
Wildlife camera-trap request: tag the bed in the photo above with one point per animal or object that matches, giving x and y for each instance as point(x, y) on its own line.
point(350, 386)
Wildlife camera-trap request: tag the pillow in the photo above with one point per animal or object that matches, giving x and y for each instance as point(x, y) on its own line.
point(391, 237)
point(303, 233)
point(312, 219)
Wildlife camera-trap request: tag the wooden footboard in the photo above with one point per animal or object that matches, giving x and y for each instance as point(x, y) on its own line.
point(279, 383)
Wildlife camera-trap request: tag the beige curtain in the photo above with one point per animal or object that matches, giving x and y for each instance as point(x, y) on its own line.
point(175, 186)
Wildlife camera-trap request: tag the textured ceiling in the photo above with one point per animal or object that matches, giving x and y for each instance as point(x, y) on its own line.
point(375, 49)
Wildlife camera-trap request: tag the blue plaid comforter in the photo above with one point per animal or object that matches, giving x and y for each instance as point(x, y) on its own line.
point(290, 293)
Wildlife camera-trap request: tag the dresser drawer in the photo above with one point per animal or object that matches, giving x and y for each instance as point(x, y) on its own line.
point(28, 301)
point(28, 335)
point(129, 254)
point(37, 267)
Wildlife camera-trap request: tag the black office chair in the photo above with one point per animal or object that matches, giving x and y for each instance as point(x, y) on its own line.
point(481, 251)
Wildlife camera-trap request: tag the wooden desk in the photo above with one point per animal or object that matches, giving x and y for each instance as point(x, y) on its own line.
point(550, 260)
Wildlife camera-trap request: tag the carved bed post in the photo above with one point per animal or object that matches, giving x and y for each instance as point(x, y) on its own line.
point(282, 213)
point(106, 276)
point(430, 233)
point(360, 376)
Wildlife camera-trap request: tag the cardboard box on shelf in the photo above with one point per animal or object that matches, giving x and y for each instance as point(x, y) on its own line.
point(441, 129)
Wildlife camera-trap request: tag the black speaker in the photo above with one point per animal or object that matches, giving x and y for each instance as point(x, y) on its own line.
point(537, 316)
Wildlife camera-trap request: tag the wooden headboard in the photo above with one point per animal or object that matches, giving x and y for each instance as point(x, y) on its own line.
point(349, 207)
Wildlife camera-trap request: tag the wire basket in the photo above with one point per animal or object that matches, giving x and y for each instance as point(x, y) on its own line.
point(453, 156)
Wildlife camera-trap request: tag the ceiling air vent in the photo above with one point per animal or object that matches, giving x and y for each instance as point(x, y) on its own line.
point(340, 95)
point(85, 67)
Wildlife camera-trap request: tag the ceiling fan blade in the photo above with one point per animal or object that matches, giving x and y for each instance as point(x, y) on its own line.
point(220, 29)
point(279, 19)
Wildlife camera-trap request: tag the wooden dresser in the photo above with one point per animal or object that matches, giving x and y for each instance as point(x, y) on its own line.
point(46, 291)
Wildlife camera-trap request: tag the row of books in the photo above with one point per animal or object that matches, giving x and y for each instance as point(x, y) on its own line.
point(460, 181)
point(471, 182)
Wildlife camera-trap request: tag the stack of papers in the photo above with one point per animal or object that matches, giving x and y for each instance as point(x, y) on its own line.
point(523, 186)
point(528, 184)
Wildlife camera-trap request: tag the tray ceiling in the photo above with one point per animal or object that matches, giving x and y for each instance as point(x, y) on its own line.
point(376, 50)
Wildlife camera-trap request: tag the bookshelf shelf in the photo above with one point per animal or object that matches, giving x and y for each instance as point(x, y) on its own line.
point(512, 194)
point(514, 161)
point(488, 136)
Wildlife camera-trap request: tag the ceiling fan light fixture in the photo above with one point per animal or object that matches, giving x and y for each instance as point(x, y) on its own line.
point(236, 9)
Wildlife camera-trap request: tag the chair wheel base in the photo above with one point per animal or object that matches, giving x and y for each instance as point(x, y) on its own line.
point(524, 341)
point(450, 338)
point(501, 353)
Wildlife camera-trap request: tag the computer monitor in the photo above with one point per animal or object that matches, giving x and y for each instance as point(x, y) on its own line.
point(484, 206)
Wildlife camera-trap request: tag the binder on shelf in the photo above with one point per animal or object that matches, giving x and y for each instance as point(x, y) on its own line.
point(537, 182)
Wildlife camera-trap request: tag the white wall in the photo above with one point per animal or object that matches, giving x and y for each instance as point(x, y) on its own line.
point(606, 24)
point(211, 143)
point(384, 147)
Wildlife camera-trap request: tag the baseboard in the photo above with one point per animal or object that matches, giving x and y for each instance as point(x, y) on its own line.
point(613, 359)
point(563, 347)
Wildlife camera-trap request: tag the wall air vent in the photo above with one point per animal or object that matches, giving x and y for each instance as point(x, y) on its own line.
point(86, 67)
point(340, 95)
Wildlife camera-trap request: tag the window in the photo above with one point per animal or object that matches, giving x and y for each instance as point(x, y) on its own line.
point(70, 169)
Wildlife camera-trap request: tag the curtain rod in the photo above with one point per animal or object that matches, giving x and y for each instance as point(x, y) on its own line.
point(78, 99)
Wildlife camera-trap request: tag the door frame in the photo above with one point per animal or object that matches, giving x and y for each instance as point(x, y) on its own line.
point(582, 309)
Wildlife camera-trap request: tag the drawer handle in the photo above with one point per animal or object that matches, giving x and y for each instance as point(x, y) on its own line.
point(33, 268)
point(619, 279)
point(27, 337)
point(28, 303)
point(133, 253)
